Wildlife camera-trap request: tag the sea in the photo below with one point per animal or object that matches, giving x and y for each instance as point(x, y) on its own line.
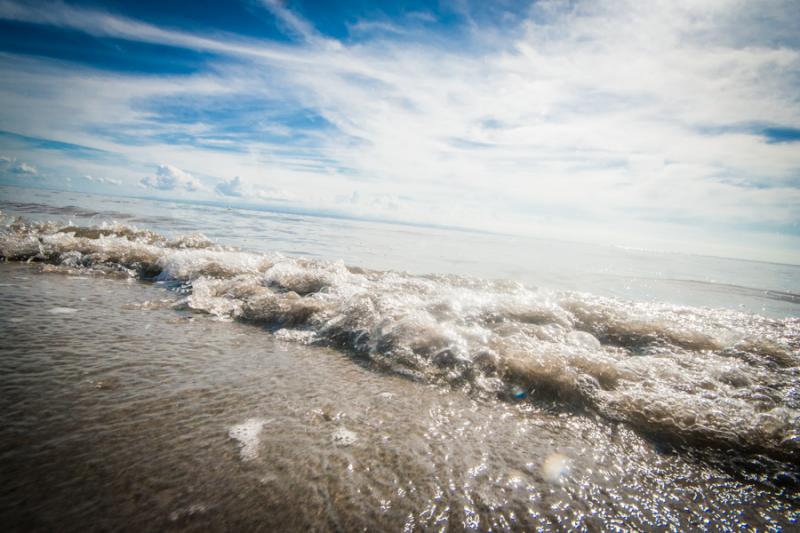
point(176, 366)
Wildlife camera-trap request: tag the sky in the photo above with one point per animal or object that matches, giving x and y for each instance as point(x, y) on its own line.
point(664, 125)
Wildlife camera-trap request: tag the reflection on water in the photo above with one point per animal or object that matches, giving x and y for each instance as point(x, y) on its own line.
point(128, 415)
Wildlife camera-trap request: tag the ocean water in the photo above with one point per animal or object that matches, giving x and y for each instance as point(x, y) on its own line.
point(768, 289)
point(193, 367)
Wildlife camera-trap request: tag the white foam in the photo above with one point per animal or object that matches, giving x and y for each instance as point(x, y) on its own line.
point(188, 512)
point(344, 437)
point(248, 434)
point(295, 335)
point(62, 311)
point(707, 373)
point(584, 340)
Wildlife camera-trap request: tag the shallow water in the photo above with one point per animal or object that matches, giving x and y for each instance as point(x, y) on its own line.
point(130, 414)
point(152, 377)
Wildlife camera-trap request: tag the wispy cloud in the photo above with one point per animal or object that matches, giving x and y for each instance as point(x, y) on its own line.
point(297, 25)
point(102, 24)
point(24, 169)
point(102, 180)
point(605, 120)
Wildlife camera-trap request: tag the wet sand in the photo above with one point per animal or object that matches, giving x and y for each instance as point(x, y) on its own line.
point(116, 414)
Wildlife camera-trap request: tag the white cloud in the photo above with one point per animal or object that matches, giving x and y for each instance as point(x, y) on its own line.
point(422, 16)
point(372, 203)
point(103, 24)
point(5, 160)
point(272, 194)
point(373, 26)
point(169, 178)
point(102, 180)
point(297, 25)
point(610, 120)
point(232, 187)
point(25, 169)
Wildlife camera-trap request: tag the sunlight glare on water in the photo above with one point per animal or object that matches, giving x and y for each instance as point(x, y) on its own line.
point(158, 378)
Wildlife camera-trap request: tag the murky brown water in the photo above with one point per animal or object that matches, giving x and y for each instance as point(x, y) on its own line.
point(115, 415)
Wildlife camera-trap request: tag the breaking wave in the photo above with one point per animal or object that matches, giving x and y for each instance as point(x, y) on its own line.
point(699, 377)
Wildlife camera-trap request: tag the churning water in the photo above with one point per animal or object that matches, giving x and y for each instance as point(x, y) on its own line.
point(154, 377)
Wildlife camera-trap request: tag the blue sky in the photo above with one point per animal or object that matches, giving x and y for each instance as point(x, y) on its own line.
point(664, 125)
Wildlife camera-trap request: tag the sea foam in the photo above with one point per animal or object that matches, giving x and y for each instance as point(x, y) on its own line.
point(702, 377)
point(248, 434)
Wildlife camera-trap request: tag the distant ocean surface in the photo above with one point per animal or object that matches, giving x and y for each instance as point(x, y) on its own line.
point(178, 366)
